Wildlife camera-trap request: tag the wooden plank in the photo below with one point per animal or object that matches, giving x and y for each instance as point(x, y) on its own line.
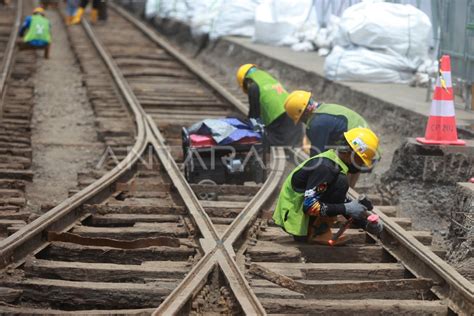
point(126, 233)
point(425, 237)
point(5, 223)
point(293, 251)
point(70, 252)
point(223, 204)
point(275, 292)
point(16, 174)
point(279, 235)
point(134, 209)
point(222, 220)
point(14, 310)
point(90, 295)
point(328, 288)
point(128, 219)
point(389, 210)
point(404, 222)
point(105, 272)
point(355, 307)
point(115, 243)
point(400, 295)
point(9, 295)
point(14, 215)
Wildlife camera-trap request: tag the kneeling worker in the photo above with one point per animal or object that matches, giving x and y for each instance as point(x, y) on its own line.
point(36, 32)
point(315, 192)
point(325, 123)
point(266, 101)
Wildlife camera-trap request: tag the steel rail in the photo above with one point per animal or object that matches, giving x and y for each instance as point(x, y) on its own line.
point(247, 299)
point(7, 61)
point(460, 292)
point(251, 210)
point(192, 203)
point(220, 256)
point(420, 260)
point(190, 65)
point(17, 246)
point(199, 215)
point(239, 224)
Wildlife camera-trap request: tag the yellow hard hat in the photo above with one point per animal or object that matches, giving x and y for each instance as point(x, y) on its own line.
point(38, 10)
point(296, 103)
point(241, 74)
point(364, 142)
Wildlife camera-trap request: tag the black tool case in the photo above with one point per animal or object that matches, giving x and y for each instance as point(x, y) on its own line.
point(235, 163)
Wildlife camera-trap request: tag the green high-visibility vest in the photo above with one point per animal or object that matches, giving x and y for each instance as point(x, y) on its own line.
point(353, 119)
point(289, 212)
point(39, 29)
point(272, 96)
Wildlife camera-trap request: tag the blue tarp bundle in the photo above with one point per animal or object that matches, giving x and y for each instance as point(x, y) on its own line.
point(225, 130)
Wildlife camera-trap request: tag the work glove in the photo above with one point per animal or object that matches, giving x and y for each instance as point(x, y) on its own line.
point(374, 228)
point(355, 209)
point(309, 207)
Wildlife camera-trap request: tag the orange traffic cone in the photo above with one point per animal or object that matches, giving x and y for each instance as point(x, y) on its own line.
point(441, 128)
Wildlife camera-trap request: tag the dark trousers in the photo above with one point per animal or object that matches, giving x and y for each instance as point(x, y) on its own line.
point(336, 193)
point(25, 45)
point(95, 4)
point(283, 132)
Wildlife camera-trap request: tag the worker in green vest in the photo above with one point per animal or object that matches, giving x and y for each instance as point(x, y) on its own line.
point(325, 123)
point(266, 103)
point(36, 32)
point(314, 193)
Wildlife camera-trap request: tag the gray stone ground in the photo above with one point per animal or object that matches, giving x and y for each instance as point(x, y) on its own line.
point(63, 134)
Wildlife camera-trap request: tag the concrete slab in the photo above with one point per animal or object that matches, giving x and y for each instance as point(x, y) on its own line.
point(404, 96)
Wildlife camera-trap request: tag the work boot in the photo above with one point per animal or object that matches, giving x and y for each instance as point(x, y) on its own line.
point(69, 19)
point(77, 18)
point(94, 15)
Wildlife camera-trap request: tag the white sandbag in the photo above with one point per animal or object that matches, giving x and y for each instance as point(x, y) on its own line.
point(327, 8)
point(325, 37)
point(235, 17)
point(151, 8)
point(362, 64)
point(401, 28)
point(179, 11)
point(202, 15)
point(278, 21)
point(165, 7)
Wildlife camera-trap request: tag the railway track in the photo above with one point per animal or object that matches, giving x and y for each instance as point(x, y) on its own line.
point(16, 103)
point(136, 239)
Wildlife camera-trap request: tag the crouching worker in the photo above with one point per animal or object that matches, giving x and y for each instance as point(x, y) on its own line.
point(36, 32)
point(266, 102)
point(315, 192)
point(325, 123)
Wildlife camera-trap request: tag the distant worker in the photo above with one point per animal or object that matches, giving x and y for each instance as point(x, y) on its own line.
point(71, 8)
point(82, 8)
point(266, 102)
point(36, 32)
point(325, 123)
point(315, 192)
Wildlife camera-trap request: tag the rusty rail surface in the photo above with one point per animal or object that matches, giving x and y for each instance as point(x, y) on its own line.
point(7, 61)
point(30, 238)
point(218, 250)
point(212, 243)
